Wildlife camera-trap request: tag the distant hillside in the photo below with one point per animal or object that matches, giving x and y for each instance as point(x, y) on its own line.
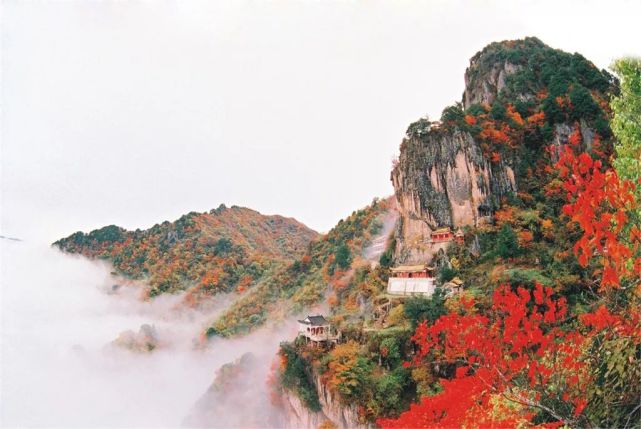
point(283, 266)
point(324, 270)
point(224, 250)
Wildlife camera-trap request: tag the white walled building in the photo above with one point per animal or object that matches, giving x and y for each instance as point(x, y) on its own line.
point(411, 280)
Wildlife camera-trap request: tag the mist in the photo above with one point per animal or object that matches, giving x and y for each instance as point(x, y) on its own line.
point(58, 367)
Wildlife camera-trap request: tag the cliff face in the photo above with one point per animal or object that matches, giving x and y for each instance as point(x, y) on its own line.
point(443, 180)
point(297, 416)
point(520, 97)
point(483, 86)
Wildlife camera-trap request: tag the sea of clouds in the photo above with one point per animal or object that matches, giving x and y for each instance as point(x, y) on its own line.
point(59, 316)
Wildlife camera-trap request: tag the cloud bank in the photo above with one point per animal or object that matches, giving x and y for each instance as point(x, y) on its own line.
point(58, 313)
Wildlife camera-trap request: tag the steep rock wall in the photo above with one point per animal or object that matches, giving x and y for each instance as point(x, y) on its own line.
point(443, 180)
point(297, 416)
point(484, 87)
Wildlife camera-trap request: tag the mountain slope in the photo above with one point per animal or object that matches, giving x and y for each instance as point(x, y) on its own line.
point(326, 267)
point(283, 267)
point(206, 253)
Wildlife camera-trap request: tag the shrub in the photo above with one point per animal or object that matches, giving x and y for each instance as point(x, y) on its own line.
point(418, 309)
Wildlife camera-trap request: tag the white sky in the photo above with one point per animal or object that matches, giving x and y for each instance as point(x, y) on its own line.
point(137, 112)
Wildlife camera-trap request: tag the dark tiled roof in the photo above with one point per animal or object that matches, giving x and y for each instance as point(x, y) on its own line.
point(315, 320)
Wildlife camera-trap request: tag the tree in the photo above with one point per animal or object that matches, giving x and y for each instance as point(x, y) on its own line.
point(419, 309)
point(498, 111)
point(390, 352)
point(223, 246)
point(294, 375)
point(605, 207)
point(389, 392)
point(453, 114)
point(507, 245)
point(347, 372)
point(446, 274)
point(602, 205)
point(583, 105)
point(626, 121)
point(514, 363)
point(343, 256)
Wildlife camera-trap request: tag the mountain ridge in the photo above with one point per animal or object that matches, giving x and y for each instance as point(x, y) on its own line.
point(206, 253)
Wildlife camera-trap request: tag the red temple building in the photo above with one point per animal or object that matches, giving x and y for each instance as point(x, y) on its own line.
point(442, 235)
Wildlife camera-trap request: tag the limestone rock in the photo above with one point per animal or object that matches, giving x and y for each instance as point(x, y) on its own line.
point(442, 179)
point(484, 87)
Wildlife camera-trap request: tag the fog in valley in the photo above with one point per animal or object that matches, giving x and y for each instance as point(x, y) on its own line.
point(59, 316)
point(133, 113)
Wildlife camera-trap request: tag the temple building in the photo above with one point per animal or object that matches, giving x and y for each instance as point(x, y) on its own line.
point(411, 280)
point(454, 286)
point(442, 235)
point(317, 329)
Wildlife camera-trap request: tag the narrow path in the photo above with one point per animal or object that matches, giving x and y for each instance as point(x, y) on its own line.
point(376, 248)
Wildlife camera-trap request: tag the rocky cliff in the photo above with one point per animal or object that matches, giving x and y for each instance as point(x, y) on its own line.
point(520, 97)
point(443, 180)
point(332, 412)
point(482, 85)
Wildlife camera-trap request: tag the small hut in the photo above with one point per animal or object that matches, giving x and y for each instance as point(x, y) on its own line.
point(454, 286)
point(317, 329)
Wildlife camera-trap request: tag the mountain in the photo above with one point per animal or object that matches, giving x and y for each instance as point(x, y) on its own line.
point(539, 334)
point(226, 249)
point(520, 97)
point(511, 200)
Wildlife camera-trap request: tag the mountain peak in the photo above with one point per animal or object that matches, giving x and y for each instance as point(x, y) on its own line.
point(517, 69)
point(522, 101)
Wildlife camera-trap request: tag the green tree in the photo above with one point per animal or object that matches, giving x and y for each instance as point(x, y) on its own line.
point(446, 274)
point(343, 256)
point(223, 246)
point(507, 245)
point(583, 104)
point(390, 352)
point(296, 376)
point(390, 389)
point(453, 113)
point(626, 121)
point(418, 309)
point(498, 111)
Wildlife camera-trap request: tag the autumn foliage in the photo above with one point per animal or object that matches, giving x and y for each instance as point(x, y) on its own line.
point(509, 363)
point(600, 203)
point(527, 361)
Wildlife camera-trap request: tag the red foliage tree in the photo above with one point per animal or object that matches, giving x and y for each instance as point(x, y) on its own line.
point(601, 204)
point(511, 363)
point(523, 357)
